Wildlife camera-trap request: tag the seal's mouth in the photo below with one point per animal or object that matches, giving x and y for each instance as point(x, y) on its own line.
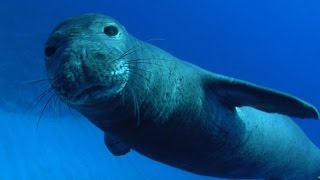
point(82, 85)
point(92, 94)
point(90, 91)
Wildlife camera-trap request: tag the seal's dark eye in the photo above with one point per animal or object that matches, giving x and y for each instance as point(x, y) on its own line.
point(111, 31)
point(49, 51)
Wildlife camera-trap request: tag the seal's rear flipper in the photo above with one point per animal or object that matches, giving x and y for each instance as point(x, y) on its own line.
point(237, 93)
point(115, 146)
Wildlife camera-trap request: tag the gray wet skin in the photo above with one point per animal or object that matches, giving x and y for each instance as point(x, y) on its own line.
point(171, 111)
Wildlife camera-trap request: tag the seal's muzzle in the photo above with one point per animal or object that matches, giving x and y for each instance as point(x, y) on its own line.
point(85, 67)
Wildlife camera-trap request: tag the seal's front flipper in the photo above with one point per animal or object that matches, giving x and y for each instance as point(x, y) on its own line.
point(115, 146)
point(237, 93)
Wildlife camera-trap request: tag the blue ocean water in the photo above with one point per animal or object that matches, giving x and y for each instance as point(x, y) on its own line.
point(271, 43)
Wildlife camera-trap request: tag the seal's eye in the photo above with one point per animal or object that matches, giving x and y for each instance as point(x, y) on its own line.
point(111, 31)
point(49, 51)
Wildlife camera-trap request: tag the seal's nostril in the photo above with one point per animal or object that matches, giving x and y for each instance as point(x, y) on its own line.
point(49, 51)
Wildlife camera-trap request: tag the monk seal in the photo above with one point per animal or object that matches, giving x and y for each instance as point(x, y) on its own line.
point(145, 99)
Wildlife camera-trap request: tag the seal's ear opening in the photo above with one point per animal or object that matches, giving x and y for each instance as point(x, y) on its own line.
point(236, 93)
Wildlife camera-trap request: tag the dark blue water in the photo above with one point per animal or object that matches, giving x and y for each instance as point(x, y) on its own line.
point(271, 43)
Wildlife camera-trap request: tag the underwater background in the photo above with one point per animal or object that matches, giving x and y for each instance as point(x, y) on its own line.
point(274, 43)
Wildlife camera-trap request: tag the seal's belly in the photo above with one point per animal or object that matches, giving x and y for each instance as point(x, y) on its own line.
point(199, 150)
point(253, 153)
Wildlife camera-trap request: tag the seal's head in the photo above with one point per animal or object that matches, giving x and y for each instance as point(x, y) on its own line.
point(85, 59)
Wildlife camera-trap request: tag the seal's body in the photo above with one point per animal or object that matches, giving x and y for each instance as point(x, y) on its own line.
point(174, 112)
